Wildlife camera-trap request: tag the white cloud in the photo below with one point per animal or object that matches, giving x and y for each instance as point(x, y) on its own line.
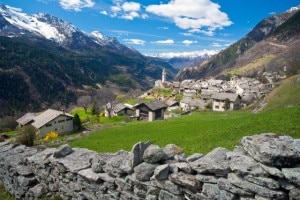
point(193, 15)
point(163, 28)
point(188, 54)
point(135, 41)
point(169, 41)
point(216, 44)
point(76, 5)
point(126, 10)
point(189, 42)
point(131, 6)
point(104, 12)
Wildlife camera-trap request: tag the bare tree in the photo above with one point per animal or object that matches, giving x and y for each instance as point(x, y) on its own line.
point(84, 101)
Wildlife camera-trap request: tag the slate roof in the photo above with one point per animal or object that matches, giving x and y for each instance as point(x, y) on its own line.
point(47, 116)
point(119, 107)
point(222, 96)
point(154, 105)
point(25, 119)
point(194, 102)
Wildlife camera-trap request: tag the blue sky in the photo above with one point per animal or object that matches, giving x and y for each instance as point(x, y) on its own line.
point(162, 27)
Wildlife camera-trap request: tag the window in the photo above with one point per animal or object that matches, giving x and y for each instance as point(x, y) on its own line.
point(61, 121)
point(216, 107)
point(48, 125)
point(68, 119)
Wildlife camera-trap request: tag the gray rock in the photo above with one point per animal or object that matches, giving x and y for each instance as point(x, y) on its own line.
point(294, 194)
point(24, 170)
point(214, 162)
point(38, 190)
point(185, 167)
point(263, 181)
point(180, 158)
point(168, 185)
point(120, 164)
point(171, 150)
point(292, 175)
point(225, 195)
point(27, 181)
point(99, 161)
point(224, 184)
point(63, 151)
point(153, 154)
point(194, 157)
point(89, 175)
point(144, 171)
point(161, 172)
point(70, 162)
point(138, 151)
point(271, 149)
point(185, 180)
point(165, 195)
point(272, 171)
point(206, 178)
point(257, 189)
point(210, 190)
point(242, 164)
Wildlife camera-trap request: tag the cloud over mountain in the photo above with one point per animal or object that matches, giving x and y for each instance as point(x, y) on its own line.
point(193, 15)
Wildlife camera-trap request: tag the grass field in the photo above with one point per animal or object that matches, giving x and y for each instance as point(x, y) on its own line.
point(199, 132)
point(203, 131)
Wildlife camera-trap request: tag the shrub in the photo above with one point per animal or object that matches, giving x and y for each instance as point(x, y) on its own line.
point(26, 135)
point(51, 136)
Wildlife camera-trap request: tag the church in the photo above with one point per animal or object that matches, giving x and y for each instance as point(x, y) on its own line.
point(163, 83)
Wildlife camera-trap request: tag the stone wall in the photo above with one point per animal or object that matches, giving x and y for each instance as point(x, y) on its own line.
point(264, 166)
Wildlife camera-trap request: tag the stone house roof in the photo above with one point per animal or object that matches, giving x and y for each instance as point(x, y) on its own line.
point(154, 105)
point(25, 119)
point(48, 116)
point(119, 107)
point(171, 102)
point(194, 102)
point(222, 96)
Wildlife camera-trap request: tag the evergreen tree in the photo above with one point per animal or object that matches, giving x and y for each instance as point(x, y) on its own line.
point(77, 123)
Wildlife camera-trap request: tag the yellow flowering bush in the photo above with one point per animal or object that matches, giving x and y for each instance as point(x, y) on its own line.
point(50, 136)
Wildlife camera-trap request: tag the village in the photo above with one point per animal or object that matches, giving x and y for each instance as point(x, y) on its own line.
point(166, 99)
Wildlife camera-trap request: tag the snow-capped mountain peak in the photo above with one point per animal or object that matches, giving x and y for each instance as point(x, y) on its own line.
point(31, 23)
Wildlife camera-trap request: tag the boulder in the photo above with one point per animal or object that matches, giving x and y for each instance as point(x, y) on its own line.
point(271, 149)
point(254, 188)
point(138, 151)
point(186, 180)
point(161, 172)
point(38, 190)
point(99, 161)
point(63, 151)
point(171, 150)
point(144, 171)
point(165, 195)
point(153, 154)
point(292, 175)
point(214, 162)
point(244, 165)
point(194, 157)
point(206, 178)
point(119, 164)
point(210, 190)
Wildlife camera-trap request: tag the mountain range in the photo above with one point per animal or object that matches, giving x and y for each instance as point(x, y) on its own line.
point(45, 60)
point(273, 44)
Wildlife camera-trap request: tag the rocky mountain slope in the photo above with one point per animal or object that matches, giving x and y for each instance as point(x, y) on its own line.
point(45, 60)
point(272, 44)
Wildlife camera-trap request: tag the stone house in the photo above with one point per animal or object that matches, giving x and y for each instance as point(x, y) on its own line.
point(121, 109)
point(26, 119)
point(219, 101)
point(150, 110)
point(53, 120)
point(187, 104)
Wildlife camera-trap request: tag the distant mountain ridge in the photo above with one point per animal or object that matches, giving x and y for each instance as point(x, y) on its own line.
point(276, 36)
point(45, 60)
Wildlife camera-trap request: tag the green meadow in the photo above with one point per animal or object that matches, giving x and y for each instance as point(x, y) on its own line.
point(203, 131)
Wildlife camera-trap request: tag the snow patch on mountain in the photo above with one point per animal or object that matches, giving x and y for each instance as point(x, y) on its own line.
point(31, 23)
point(191, 54)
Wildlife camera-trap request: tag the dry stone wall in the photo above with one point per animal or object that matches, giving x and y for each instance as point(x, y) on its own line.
point(263, 167)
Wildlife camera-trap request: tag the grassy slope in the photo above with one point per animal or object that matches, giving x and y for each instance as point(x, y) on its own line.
point(201, 132)
point(287, 94)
